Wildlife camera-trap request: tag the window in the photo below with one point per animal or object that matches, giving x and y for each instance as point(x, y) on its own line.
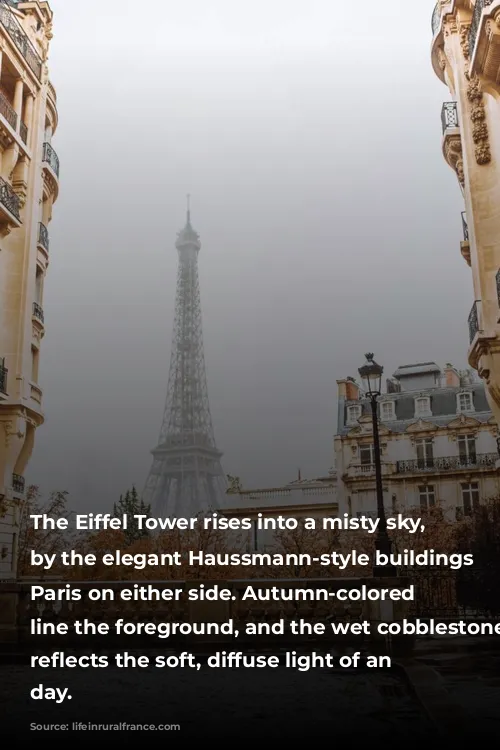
point(423, 407)
point(34, 365)
point(425, 453)
point(366, 454)
point(470, 497)
point(465, 402)
point(387, 411)
point(353, 414)
point(426, 496)
point(467, 450)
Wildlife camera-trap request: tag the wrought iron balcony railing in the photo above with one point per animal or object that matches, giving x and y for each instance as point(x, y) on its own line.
point(450, 463)
point(18, 483)
point(43, 236)
point(3, 376)
point(9, 199)
point(473, 321)
point(449, 116)
point(465, 226)
point(20, 39)
point(23, 131)
point(476, 20)
point(436, 18)
point(8, 111)
point(38, 312)
point(51, 158)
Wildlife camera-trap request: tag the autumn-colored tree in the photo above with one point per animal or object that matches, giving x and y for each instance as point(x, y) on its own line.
point(302, 541)
point(132, 505)
point(480, 536)
point(43, 541)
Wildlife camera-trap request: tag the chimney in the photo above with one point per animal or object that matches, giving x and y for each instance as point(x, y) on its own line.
point(452, 377)
point(352, 390)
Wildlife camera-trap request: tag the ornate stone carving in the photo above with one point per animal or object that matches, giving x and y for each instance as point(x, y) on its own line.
point(234, 485)
point(480, 134)
point(11, 432)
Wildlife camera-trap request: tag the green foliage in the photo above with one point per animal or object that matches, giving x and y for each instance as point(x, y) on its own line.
point(132, 505)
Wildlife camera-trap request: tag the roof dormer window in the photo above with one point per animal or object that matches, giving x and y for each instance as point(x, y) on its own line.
point(423, 407)
point(465, 402)
point(353, 414)
point(387, 411)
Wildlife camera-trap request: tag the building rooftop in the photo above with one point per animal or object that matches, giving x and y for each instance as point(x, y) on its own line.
point(416, 369)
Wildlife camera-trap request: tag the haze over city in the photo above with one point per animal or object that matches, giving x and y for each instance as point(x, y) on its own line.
point(330, 226)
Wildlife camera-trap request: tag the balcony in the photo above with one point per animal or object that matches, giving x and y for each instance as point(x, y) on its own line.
point(452, 141)
point(51, 158)
point(484, 40)
point(436, 18)
point(450, 463)
point(18, 484)
point(10, 207)
point(7, 111)
point(449, 116)
point(473, 321)
point(43, 238)
point(3, 379)
point(38, 312)
point(465, 245)
point(20, 40)
point(23, 132)
point(367, 471)
point(50, 164)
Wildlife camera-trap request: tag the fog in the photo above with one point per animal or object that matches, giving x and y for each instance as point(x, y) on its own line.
point(309, 137)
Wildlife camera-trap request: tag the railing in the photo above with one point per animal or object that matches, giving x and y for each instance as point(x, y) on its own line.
point(449, 463)
point(37, 311)
point(9, 199)
point(8, 111)
point(449, 116)
point(476, 20)
point(43, 236)
point(473, 321)
point(465, 226)
point(20, 39)
point(436, 18)
point(3, 376)
point(51, 158)
point(23, 131)
point(18, 483)
point(497, 278)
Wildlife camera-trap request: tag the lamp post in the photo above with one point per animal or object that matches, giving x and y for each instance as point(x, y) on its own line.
point(371, 376)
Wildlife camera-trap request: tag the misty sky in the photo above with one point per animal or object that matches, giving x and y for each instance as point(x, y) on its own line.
point(309, 137)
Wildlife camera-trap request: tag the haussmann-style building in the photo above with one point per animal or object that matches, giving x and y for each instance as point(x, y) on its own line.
point(438, 441)
point(437, 437)
point(29, 184)
point(466, 58)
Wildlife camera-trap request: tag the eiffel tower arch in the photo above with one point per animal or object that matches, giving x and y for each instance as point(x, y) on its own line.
point(186, 475)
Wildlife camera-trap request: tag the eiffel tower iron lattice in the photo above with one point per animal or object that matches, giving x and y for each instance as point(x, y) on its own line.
point(186, 476)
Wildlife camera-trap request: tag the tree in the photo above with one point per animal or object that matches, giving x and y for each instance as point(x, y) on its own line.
point(44, 541)
point(131, 505)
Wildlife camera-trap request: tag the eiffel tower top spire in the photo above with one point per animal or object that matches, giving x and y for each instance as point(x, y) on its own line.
point(188, 236)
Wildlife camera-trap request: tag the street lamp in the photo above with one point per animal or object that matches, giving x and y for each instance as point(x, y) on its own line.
point(371, 376)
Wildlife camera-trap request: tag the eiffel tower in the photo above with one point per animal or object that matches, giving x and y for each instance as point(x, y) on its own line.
point(186, 476)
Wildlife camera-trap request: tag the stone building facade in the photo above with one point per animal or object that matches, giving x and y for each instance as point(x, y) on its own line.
point(29, 185)
point(438, 448)
point(438, 443)
point(466, 58)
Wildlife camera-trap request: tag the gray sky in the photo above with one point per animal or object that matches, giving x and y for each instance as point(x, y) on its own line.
point(310, 142)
